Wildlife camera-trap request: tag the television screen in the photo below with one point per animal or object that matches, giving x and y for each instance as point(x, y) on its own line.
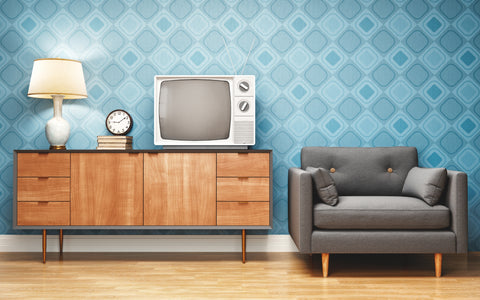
point(195, 109)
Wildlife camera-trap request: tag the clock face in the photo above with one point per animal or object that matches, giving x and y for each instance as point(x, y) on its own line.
point(119, 122)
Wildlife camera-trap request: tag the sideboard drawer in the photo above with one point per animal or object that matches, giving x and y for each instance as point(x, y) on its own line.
point(43, 213)
point(43, 164)
point(243, 164)
point(243, 213)
point(43, 189)
point(243, 189)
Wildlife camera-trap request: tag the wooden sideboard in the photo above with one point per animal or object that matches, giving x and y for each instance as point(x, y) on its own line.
point(142, 189)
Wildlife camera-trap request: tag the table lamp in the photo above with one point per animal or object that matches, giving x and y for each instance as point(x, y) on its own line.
point(57, 79)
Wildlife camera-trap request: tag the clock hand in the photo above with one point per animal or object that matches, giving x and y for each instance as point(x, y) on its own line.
point(119, 120)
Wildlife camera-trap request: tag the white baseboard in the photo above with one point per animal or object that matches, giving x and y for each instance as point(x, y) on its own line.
point(148, 243)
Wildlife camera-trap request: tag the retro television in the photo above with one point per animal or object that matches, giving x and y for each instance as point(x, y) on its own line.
point(204, 111)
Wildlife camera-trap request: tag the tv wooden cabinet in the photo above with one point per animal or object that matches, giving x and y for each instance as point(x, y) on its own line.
point(142, 189)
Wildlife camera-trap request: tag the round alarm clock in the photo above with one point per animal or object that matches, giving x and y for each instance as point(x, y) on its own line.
point(119, 122)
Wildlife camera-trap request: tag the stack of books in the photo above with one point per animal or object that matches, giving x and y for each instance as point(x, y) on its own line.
point(118, 142)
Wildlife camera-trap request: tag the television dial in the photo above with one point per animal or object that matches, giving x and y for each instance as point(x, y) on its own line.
point(244, 106)
point(244, 86)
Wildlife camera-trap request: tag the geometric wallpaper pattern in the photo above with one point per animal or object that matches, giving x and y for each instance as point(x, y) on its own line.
point(330, 73)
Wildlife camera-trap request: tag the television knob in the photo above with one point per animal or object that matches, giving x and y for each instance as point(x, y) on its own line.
point(244, 86)
point(243, 106)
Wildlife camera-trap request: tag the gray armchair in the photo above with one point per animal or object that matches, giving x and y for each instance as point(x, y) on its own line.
point(372, 216)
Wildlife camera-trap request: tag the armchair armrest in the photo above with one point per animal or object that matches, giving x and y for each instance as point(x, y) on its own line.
point(300, 208)
point(456, 199)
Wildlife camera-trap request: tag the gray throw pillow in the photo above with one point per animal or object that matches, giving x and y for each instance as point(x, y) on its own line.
point(425, 183)
point(326, 189)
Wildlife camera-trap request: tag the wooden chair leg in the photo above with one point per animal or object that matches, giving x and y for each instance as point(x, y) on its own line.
point(438, 264)
point(325, 258)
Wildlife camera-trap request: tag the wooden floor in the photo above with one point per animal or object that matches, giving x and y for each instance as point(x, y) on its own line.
point(223, 276)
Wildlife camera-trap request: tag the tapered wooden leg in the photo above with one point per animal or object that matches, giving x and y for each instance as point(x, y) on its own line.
point(325, 258)
point(438, 264)
point(44, 245)
point(60, 241)
point(244, 245)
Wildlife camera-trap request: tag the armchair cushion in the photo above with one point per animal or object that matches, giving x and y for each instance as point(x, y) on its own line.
point(377, 171)
point(380, 212)
point(324, 184)
point(425, 183)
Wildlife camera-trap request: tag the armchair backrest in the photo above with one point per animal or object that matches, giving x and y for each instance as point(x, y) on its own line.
point(359, 171)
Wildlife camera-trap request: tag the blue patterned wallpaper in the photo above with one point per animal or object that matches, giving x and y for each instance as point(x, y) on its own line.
point(331, 73)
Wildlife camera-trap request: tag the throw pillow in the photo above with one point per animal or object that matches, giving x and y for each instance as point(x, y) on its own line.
point(325, 185)
point(425, 183)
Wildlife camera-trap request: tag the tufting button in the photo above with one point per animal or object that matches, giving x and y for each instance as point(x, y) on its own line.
point(332, 170)
point(389, 170)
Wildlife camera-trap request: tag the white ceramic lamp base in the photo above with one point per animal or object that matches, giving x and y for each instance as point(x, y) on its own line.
point(57, 129)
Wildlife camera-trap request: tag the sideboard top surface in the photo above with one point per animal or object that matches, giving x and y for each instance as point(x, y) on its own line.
point(147, 151)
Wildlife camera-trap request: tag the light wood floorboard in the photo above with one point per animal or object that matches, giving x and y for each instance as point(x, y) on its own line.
point(223, 276)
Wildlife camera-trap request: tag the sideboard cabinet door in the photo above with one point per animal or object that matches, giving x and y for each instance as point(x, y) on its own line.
point(180, 189)
point(107, 189)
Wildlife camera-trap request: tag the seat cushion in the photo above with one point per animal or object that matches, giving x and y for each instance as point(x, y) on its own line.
point(380, 212)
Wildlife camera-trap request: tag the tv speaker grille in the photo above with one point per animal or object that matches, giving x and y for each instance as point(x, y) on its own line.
point(244, 132)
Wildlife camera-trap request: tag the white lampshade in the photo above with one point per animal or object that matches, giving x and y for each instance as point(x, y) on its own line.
point(57, 76)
